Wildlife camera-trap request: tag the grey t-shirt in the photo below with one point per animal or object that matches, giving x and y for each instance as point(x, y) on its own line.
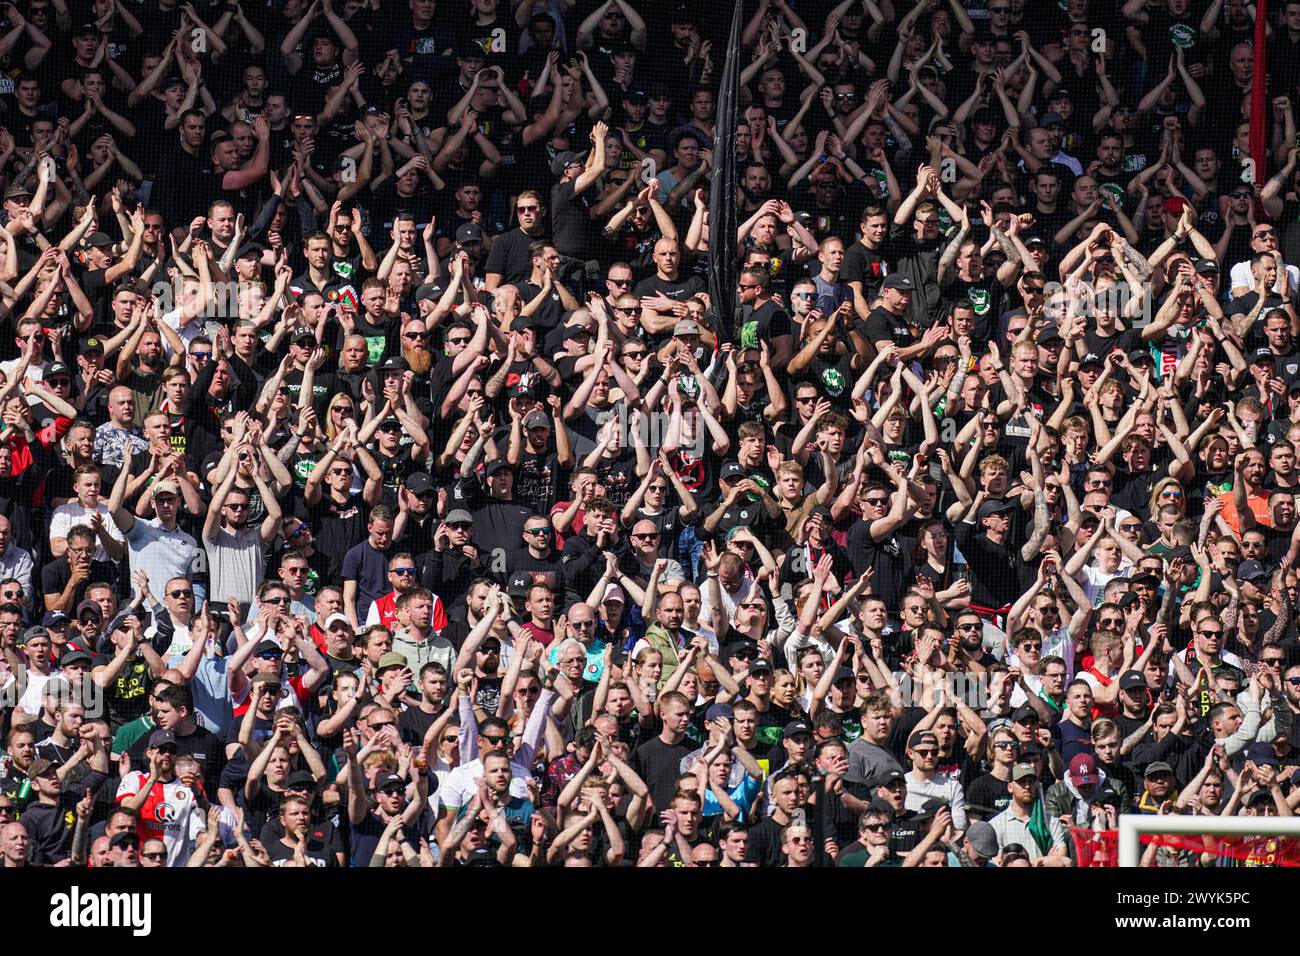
point(235, 564)
point(866, 760)
point(160, 553)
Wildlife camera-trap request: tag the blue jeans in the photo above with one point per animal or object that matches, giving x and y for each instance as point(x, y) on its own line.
point(689, 548)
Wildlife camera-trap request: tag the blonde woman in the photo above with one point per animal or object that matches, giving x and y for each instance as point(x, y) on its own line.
point(342, 409)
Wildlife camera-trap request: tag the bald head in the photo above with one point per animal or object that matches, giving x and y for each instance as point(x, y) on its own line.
point(580, 613)
point(14, 842)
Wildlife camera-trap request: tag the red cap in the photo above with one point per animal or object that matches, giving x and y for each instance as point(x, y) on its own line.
point(1175, 204)
point(1083, 769)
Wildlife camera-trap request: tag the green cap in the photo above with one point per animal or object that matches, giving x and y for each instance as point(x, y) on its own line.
point(391, 659)
point(1022, 770)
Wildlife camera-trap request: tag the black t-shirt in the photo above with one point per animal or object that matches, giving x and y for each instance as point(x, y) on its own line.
point(865, 266)
point(619, 477)
point(764, 844)
point(571, 226)
point(659, 765)
point(886, 557)
point(385, 203)
point(882, 325)
point(833, 379)
point(56, 574)
point(537, 479)
point(764, 324)
point(550, 313)
point(336, 528)
point(128, 695)
point(679, 289)
point(509, 258)
point(987, 298)
point(318, 852)
point(413, 724)
point(987, 797)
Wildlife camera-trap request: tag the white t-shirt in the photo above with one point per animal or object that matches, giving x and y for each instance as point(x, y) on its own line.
point(74, 513)
point(942, 786)
point(188, 333)
point(35, 373)
point(1240, 276)
point(458, 788)
point(1096, 580)
point(32, 697)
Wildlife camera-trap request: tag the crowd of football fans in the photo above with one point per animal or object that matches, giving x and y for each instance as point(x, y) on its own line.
point(380, 484)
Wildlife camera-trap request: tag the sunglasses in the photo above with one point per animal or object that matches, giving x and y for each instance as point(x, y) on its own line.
point(401, 571)
point(527, 208)
point(180, 593)
point(460, 341)
point(496, 741)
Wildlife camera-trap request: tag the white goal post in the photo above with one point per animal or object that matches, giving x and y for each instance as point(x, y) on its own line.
point(1133, 825)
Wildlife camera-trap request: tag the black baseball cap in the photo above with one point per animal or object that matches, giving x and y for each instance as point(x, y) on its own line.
point(794, 727)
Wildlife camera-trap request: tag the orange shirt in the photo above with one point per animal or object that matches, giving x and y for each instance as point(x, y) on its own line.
point(1258, 502)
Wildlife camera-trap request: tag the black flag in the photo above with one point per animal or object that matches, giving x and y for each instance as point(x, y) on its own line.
point(724, 272)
